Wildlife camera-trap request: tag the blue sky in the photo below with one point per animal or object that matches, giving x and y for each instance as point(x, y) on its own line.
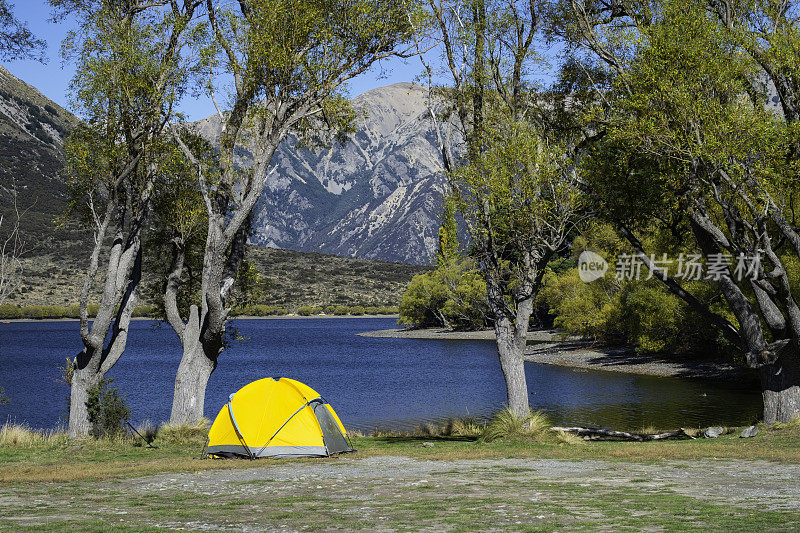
point(52, 79)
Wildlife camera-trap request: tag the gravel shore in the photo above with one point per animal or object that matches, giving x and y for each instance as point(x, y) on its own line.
point(550, 348)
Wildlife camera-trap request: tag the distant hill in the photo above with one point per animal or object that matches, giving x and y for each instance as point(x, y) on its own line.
point(291, 279)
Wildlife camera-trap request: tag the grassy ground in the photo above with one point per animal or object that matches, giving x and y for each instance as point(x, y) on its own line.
point(56, 459)
point(544, 482)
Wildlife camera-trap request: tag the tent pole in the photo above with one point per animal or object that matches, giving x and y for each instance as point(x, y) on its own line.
point(236, 427)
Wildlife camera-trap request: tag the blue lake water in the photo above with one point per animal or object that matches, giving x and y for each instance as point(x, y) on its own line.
point(371, 382)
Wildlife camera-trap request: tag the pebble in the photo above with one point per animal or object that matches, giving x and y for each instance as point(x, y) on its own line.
point(752, 431)
point(713, 432)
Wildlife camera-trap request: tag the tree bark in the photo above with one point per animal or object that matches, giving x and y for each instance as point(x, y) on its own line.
point(114, 315)
point(512, 337)
point(780, 387)
point(82, 380)
point(191, 380)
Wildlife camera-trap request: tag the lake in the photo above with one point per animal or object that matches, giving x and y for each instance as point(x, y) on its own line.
point(371, 382)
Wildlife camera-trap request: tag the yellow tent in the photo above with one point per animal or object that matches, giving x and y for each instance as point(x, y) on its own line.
point(276, 418)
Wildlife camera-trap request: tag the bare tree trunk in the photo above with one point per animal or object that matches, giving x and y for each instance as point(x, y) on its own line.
point(780, 388)
point(511, 352)
point(202, 336)
point(191, 380)
point(98, 357)
point(512, 337)
point(82, 381)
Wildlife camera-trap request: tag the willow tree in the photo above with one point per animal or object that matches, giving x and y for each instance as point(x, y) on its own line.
point(128, 77)
point(16, 39)
point(689, 135)
point(513, 182)
point(286, 62)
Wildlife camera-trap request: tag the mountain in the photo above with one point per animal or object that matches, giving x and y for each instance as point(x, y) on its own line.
point(378, 196)
point(32, 132)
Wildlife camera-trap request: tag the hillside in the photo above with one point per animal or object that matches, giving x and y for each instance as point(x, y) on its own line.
point(32, 132)
point(290, 279)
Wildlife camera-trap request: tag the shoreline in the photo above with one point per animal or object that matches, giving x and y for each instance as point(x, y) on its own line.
point(547, 347)
point(240, 317)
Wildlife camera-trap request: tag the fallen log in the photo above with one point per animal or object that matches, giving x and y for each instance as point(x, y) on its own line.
point(609, 434)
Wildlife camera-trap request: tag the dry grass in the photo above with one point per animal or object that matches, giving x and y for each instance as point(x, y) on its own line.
point(569, 438)
point(19, 435)
point(793, 424)
point(182, 435)
point(28, 456)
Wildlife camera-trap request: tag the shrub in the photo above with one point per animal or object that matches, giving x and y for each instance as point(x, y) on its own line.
point(330, 309)
point(341, 310)
point(453, 295)
point(305, 311)
point(372, 310)
point(145, 311)
point(357, 310)
point(107, 410)
point(258, 310)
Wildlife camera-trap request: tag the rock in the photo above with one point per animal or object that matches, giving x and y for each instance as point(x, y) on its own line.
point(752, 431)
point(713, 433)
point(427, 445)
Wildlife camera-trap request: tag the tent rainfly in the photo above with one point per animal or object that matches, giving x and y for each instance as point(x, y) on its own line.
point(277, 418)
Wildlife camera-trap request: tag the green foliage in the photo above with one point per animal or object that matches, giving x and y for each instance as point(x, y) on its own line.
point(640, 313)
point(453, 295)
point(16, 40)
point(259, 310)
point(11, 311)
point(448, 234)
point(356, 310)
point(108, 413)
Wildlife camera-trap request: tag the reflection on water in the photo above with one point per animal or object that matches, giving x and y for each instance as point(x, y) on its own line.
point(372, 383)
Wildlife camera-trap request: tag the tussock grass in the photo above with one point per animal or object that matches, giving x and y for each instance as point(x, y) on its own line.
point(569, 438)
point(505, 424)
point(464, 427)
point(185, 434)
point(20, 435)
point(792, 424)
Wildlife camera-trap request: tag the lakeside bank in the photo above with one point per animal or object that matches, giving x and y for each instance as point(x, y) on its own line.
point(237, 317)
point(550, 348)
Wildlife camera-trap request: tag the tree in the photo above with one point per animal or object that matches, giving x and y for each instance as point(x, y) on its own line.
point(688, 140)
point(448, 249)
point(16, 40)
point(453, 295)
point(512, 182)
point(286, 61)
point(129, 75)
point(12, 248)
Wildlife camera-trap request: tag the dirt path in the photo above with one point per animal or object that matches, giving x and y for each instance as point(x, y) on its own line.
point(398, 493)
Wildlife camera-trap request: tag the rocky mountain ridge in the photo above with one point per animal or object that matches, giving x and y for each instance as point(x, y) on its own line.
point(377, 196)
